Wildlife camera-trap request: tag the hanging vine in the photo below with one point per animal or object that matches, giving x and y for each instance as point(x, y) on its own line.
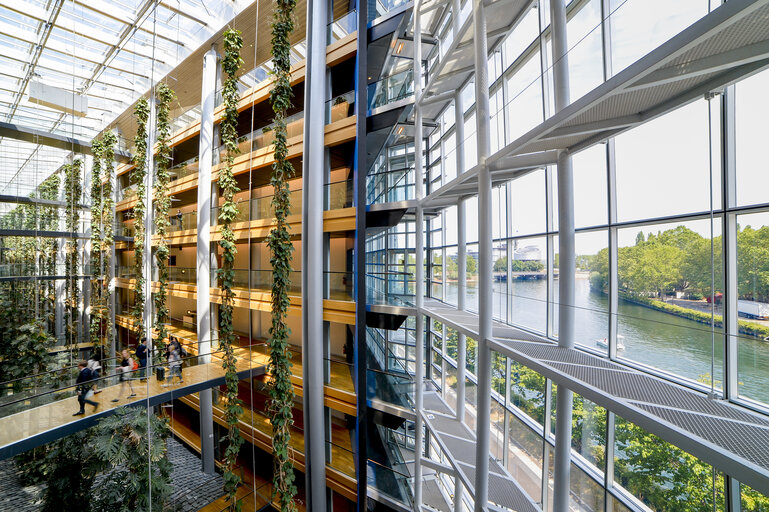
point(138, 176)
point(49, 189)
point(280, 407)
point(164, 97)
point(108, 141)
point(228, 187)
point(73, 188)
point(97, 268)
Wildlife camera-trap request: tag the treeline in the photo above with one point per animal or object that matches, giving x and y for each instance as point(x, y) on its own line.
point(679, 260)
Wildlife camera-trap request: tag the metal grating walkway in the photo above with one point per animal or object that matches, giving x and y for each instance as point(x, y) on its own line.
point(731, 438)
point(459, 443)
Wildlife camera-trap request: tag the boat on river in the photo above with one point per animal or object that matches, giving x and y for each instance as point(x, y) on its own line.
point(604, 343)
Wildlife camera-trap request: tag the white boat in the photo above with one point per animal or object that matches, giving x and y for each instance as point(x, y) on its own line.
point(604, 343)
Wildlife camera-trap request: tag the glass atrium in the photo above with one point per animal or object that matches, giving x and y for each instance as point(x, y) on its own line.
point(525, 263)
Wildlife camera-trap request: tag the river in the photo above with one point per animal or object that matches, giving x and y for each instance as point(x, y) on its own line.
point(667, 342)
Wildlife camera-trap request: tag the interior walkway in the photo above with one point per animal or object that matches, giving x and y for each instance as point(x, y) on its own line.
point(42, 423)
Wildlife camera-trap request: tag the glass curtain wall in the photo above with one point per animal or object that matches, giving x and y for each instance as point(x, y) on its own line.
point(656, 200)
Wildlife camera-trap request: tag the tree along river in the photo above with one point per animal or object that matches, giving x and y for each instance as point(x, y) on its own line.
point(667, 342)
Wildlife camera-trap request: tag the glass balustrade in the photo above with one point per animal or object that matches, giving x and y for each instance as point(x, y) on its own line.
point(338, 195)
point(38, 219)
point(126, 193)
point(341, 107)
point(183, 169)
point(387, 481)
point(124, 229)
point(263, 137)
point(382, 7)
point(389, 89)
point(341, 27)
point(182, 221)
point(125, 271)
point(187, 275)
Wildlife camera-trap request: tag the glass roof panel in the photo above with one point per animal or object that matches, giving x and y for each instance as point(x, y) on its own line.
point(107, 50)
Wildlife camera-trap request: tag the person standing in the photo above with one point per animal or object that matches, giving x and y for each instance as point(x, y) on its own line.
point(124, 371)
point(141, 355)
point(84, 388)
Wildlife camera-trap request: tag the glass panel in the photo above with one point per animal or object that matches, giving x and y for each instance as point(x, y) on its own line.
point(664, 315)
point(752, 501)
point(654, 164)
point(751, 108)
point(753, 305)
point(527, 391)
point(527, 286)
point(660, 475)
point(524, 457)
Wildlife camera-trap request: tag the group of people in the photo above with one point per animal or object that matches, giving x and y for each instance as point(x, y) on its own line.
point(89, 372)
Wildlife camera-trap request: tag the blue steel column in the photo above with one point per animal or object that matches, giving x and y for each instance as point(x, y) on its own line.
point(567, 269)
point(208, 92)
point(359, 263)
point(485, 278)
point(312, 256)
point(419, 258)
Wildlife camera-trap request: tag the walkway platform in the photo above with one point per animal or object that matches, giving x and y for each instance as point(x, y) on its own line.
point(733, 439)
point(458, 442)
point(42, 424)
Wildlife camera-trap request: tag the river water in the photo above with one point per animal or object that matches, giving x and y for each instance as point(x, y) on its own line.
point(667, 342)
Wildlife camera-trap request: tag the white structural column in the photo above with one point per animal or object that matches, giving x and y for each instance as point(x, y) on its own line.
point(313, 250)
point(205, 152)
point(485, 302)
point(419, 337)
point(567, 264)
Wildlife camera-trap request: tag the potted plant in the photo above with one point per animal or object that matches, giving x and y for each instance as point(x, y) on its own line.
point(340, 109)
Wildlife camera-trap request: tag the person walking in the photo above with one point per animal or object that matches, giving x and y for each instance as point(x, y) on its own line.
point(174, 361)
point(84, 388)
point(141, 355)
point(124, 371)
point(94, 365)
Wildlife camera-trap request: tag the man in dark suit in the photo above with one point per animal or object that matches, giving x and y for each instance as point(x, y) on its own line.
point(83, 387)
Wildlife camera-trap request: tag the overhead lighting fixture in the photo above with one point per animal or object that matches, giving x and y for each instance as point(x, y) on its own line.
point(400, 130)
point(400, 47)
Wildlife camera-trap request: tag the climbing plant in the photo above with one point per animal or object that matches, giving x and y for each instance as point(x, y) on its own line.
point(49, 190)
point(73, 189)
point(97, 266)
point(108, 141)
point(279, 241)
point(228, 187)
point(164, 96)
point(138, 176)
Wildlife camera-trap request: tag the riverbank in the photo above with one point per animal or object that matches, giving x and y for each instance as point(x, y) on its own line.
point(745, 326)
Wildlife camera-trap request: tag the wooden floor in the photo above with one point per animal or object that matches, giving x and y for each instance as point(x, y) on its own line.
point(339, 391)
point(38, 420)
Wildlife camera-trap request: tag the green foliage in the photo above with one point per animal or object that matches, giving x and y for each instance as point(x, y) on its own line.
point(24, 343)
point(231, 63)
point(138, 176)
point(73, 190)
point(102, 237)
point(164, 97)
point(280, 406)
point(136, 452)
point(70, 469)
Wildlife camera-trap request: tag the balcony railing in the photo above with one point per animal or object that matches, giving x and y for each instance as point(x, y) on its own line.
point(187, 275)
point(183, 221)
point(263, 137)
point(126, 193)
point(341, 27)
point(341, 107)
point(183, 169)
point(389, 89)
